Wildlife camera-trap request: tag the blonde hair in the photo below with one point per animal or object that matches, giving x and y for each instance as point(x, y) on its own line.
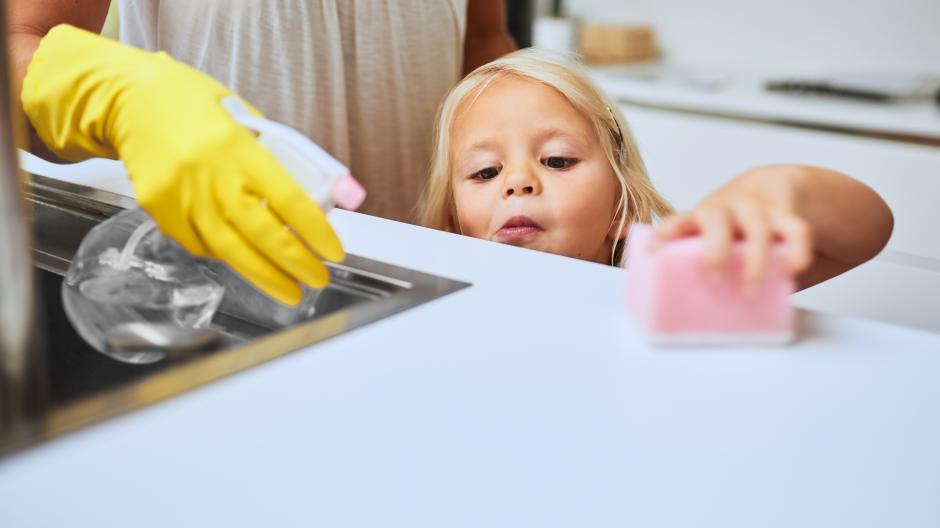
point(639, 201)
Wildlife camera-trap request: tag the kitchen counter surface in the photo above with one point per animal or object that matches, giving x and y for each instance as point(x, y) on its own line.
point(524, 400)
point(740, 95)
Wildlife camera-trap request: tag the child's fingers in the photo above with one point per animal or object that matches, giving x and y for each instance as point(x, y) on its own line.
point(753, 222)
point(798, 236)
point(717, 234)
point(715, 226)
point(676, 226)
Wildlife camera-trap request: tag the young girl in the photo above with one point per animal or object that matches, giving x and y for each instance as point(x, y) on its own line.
point(529, 152)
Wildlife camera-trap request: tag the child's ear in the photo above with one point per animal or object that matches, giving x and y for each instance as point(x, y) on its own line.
point(616, 231)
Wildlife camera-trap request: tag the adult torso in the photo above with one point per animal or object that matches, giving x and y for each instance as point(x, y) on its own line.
point(362, 78)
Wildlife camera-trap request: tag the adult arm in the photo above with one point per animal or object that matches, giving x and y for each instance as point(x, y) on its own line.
point(29, 20)
point(487, 37)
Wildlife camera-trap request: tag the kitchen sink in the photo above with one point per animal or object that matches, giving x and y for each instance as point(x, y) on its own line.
point(80, 386)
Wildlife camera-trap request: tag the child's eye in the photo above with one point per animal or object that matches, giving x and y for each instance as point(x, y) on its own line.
point(486, 174)
point(556, 162)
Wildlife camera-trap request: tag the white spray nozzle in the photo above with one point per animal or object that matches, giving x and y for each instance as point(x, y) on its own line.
point(324, 178)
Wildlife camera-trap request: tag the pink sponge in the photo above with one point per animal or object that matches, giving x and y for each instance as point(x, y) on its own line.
point(677, 301)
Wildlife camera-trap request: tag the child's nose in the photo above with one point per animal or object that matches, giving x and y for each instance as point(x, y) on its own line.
point(521, 181)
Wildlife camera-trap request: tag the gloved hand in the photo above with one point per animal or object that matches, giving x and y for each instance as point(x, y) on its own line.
point(201, 176)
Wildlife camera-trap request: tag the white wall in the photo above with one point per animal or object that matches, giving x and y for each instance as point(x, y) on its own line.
point(791, 35)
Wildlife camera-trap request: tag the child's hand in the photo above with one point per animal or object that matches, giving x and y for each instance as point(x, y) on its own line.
point(760, 206)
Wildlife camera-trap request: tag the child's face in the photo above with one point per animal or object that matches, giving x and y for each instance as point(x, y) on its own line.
point(529, 171)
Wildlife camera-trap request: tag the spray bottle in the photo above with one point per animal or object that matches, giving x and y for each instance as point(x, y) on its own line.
point(125, 271)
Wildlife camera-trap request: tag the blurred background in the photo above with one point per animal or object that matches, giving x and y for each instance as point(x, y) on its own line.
point(787, 35)
point(713, 88)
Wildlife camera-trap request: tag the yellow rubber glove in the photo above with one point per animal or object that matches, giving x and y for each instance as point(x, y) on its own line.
point(202, 177)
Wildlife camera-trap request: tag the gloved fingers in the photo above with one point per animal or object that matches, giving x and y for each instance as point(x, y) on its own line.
point(287, 199)
point(269, 236)
point(227, 244)
point(179, 229)
point(255, 268)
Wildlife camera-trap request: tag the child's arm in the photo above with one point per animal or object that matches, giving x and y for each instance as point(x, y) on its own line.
point(829, 221)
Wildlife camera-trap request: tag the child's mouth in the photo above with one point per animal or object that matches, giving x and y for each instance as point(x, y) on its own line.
point(518, 229)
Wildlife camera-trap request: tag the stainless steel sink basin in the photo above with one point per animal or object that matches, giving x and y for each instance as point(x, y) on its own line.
point(81, 386)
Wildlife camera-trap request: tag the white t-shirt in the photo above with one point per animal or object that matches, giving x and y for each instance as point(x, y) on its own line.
point(362, 78)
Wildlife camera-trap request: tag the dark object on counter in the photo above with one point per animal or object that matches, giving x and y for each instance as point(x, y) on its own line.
point(872, 87)
point(519, 17)
point(825, 88)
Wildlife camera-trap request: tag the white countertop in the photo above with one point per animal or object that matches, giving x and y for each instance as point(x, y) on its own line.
point(743, 95)
point(524, 400)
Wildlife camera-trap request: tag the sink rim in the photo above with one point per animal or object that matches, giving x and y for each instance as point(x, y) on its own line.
point(412, 288)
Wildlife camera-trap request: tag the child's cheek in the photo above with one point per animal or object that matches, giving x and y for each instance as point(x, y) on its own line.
point(583, 213)
point(472, 213)
point(577, 205)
